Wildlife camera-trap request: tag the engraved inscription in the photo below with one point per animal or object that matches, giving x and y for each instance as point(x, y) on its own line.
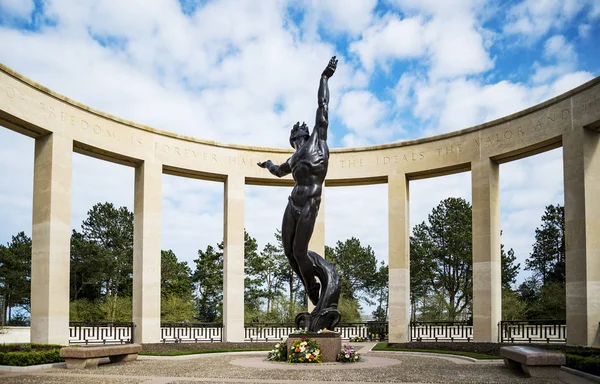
point(185, 152)
point(395, 159)
point(507, 135)
point(352, 163)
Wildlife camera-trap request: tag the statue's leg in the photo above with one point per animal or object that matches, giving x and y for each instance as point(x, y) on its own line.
point(304, 229)
point(288, 230)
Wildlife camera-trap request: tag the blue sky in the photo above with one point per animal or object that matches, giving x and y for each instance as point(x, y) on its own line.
point(245, 71)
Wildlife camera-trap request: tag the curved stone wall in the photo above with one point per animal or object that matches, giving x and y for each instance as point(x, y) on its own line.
point(61, 126)
point(32, 109)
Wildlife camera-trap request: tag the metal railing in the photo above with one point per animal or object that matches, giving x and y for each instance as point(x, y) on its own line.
point(267, 331)
point(441, 331)
point(191, 332)
point(532, 331)
point(100, 332)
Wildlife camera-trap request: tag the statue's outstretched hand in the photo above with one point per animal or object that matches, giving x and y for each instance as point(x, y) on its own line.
point(330, 70)
point(263, 164)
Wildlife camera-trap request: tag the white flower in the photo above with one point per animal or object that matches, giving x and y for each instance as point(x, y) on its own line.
point(347, 356)
point(317, 351)
point(277, 345)
point(307, 355)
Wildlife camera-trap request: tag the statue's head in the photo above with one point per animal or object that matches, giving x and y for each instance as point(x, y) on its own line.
point(298, 132)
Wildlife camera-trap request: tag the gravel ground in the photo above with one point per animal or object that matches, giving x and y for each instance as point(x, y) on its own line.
point(217, 368)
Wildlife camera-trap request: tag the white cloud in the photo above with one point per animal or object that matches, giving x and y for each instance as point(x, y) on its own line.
point(390, 38)
point(17, 8)
point(534, 18)
point(339, 16)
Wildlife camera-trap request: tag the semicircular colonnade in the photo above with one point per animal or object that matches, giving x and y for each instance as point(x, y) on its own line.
point(61, 126)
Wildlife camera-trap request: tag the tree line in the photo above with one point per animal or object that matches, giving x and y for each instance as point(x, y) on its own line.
point(101, 276)
point(441, 268)
point(101, 273)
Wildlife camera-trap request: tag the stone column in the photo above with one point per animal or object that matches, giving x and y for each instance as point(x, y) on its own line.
point(581, 165)
point(51, 237)
point(399, 258)
point(317, 241)
point(233, 259)
point(487, 281)
point(146, 252)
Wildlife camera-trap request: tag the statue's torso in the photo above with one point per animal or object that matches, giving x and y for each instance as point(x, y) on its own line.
point(309, 168)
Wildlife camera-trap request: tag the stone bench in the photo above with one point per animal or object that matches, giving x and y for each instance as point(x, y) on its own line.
point(535, 362)
point(88, 356)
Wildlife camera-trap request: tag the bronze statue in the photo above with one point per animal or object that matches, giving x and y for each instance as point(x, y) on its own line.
point(308, 166)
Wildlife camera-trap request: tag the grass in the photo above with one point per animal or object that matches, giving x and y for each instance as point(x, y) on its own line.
point(201, 351)
point(478, 356)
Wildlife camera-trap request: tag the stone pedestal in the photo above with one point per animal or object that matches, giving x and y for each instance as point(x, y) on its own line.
point(330, 344)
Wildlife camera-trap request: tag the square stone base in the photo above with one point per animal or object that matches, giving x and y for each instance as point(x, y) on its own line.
point(330, 344)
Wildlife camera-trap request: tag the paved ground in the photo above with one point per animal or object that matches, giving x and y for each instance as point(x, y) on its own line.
point(251, 368)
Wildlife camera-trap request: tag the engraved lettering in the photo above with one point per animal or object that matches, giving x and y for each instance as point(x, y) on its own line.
point(52, 112)
point(520, 131)
point(232, 160)
point(166, 148)
point(342, 161)
point(72, 120)
point(97, 129)
point(177, 151)
point(508, 135)
point(362, 164)
point(421, 155)
point(439, 150)
point(386, 160)
point(214, 157)
point(243, 161)
point(476, 142)
point(84, 125)
point(566, 113)
point(551, 117)
point(396, 159)
point(351, 163)
point(10, 92)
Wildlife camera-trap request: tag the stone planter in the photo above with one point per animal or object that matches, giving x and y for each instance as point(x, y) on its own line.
point(330, 344)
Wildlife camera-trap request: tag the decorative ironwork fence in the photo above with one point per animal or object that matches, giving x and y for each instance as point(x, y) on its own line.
point(267, 331)
point(533, 331)
point(514, 331)
point(100, 333)
point(441, 331)
point(191, 332)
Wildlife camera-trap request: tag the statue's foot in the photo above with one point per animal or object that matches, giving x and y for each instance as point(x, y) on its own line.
point(313, 292)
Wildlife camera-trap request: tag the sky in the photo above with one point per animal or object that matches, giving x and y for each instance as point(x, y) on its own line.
point(244, 72)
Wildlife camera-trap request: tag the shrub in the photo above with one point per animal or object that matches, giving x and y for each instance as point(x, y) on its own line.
point(29, 354)
point(304, 351)
point(589, 364)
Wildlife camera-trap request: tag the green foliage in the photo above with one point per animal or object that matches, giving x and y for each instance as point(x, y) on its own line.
point(175, 277)
point(443, 257)
point(513, 308)
point(110, 308)
point(29, 354)
point(357, 267)
point(295, 290)
point(547, 261)
point(253, 269)
point(175, 309)
point(349, 309)
point(379, 290)
point(543, 301)
point(102, 254)
point(208, 281)
point(510, 270)
point(15, 274)
point(588, 364)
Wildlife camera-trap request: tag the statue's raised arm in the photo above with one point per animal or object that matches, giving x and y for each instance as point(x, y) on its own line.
point(322, 118)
